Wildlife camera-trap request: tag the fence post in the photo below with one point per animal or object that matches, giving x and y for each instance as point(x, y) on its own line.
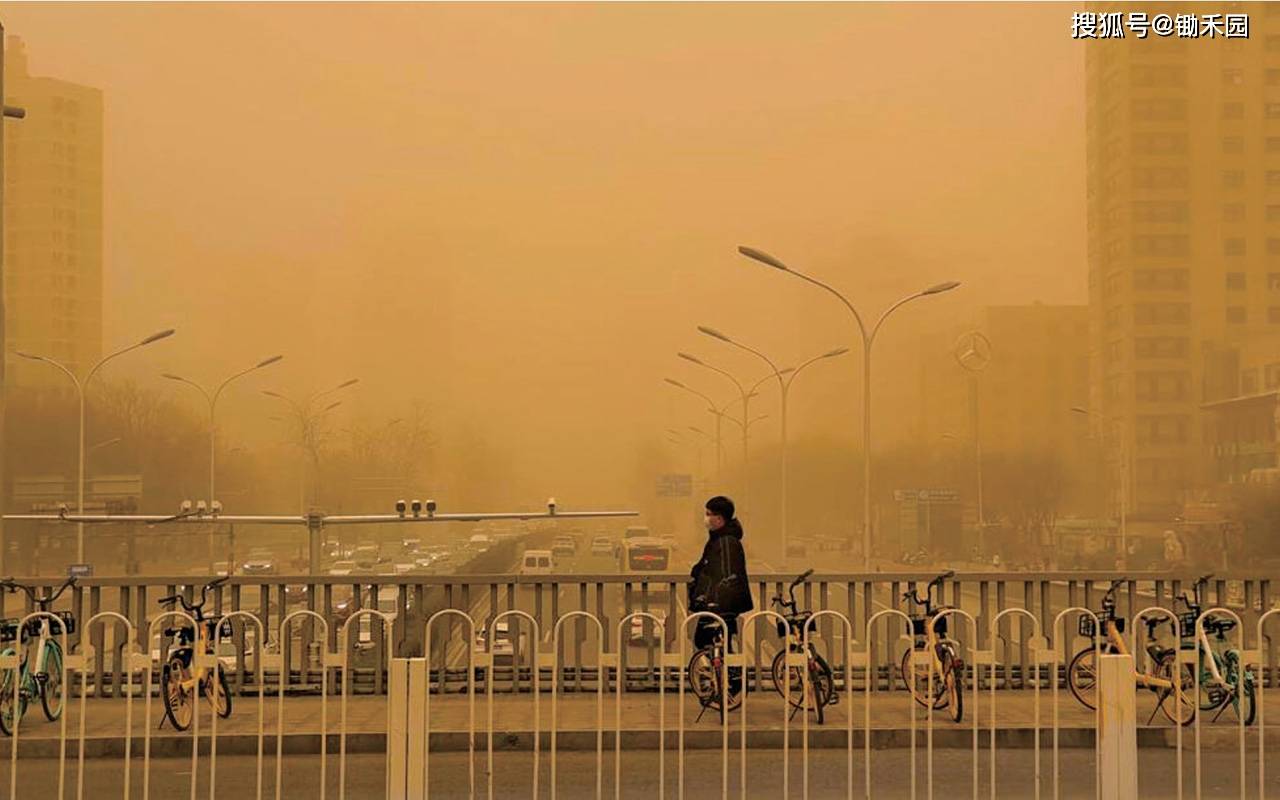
point(1118, 727)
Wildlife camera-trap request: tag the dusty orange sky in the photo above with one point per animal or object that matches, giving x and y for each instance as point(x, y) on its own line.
point(519, 212)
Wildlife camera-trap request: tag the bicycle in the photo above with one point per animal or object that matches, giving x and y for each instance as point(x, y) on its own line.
point(942, 669)
point(1221, 677)
point(706, 669)
point(43, 678)
point(1082, 672)
point(821, 681)
point(183, 672)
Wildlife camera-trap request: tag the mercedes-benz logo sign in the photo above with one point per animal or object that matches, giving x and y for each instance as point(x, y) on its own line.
point(973, 351)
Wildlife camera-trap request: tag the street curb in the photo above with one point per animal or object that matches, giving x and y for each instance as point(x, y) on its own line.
point(1221, 739)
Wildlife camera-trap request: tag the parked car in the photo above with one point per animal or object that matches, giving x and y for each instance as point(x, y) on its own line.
point(343, 568)
point(604, 546)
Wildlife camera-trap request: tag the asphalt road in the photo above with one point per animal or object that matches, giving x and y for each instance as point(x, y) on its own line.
point(576, 775)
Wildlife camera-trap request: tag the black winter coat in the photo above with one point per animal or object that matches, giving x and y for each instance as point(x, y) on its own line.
point(720, 576)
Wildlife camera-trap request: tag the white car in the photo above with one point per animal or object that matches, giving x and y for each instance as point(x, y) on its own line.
point(536, 562)
point(503, 651)
point(342, 568)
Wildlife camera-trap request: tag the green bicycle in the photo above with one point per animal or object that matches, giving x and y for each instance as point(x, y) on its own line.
point(40, 676)
point(1225, 680)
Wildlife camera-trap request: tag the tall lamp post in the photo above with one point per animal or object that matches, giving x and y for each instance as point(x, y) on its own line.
point(212, 399)
point(746, 399)
point(6, 112)
point(306, 419)
point(1114, 433)
point(868, 339)
point(973, 354)
point(81, 385)
point(716, 411)
point(785, 378)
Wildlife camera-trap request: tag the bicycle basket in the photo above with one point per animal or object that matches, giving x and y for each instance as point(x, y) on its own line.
point(1187, 624)
point(782, 628)
point(1087, 627)
point(920, 627)
point(65, 620)
point(9, 630)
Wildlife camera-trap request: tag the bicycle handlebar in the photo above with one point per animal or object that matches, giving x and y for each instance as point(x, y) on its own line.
point(927, 601)
point(13, 586)
point(204, 592)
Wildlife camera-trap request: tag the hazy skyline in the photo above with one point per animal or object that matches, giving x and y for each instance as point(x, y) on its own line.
point(520, 212)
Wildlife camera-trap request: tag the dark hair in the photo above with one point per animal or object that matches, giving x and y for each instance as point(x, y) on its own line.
point(721, 506)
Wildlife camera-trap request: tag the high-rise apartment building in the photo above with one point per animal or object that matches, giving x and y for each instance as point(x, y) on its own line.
point(1183, 183)
point(53, 225)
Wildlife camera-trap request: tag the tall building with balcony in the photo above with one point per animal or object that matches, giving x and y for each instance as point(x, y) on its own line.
point(53, 225)
point(1183, 183)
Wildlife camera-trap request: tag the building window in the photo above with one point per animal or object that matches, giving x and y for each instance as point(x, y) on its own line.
point(1161, 386)
point(1162, 428)
point(1165, 109)
point(1164, 177)
point(1271, 377)
point(1160, 211)
point(1233, 212)
point(1233, 246)
point(1161, 313)
point(1233, 144)
point(1148, 347)
point(1249, 381)
point(1160, 143)
point(1236, 315)
point(1232, 76)
point(1113, 317)
point(1157, 279)
point(1231, 179)
point(1236, 281)
point(1161, 76)
point(1165, 245)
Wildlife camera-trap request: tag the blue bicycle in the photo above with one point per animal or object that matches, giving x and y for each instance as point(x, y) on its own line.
point(39, 673)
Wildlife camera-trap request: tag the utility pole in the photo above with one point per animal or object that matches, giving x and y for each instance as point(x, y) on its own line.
point(14, 113)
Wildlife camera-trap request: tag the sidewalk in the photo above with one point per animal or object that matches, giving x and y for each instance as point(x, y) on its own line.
point(578, 716)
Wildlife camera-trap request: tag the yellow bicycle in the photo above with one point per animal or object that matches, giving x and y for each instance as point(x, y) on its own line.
point(183, 671)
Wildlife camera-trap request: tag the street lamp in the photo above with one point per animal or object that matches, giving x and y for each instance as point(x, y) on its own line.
point(784, 386)
point(868, 339)
point(212, 399)
point(746, 399)
point(717, 412)
point(307, 419)
point(1122, 465)
point(81, 385)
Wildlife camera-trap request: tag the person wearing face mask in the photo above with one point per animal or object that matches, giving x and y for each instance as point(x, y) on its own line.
point(719, 580)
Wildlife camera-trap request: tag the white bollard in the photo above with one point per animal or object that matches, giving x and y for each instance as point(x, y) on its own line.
point(1117, 728)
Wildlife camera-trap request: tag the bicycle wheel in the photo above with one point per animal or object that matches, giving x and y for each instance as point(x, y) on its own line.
point(50, 681)
point(828, 679)
point(1082, 678)
point(1179, 713)
point(218, 692)
point(915, 677)
point(1243, 700)
point(702, 678)
point(8, 719)
point(953, 681)
point(178, 694)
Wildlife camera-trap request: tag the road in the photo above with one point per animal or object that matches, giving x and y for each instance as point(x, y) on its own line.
point(450, 775)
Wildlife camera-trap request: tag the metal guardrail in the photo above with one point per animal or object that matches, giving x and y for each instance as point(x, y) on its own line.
point(409, 600)
point(410, 722)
